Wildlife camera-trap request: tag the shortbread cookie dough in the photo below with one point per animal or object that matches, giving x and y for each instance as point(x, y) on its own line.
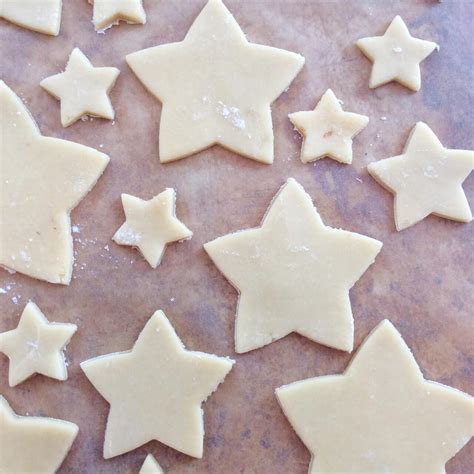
point(43, 16)
point(36, 346)
point(426, 179)
point(151, 225)
point(396, 56)
point(328, 130)
point(293, 274)
point(82, 89)
point(108, 13)
point(43, 179)
point(155, 391)
point(233, 84)
point(33, 444)
point(151, 466)
point(380, 415)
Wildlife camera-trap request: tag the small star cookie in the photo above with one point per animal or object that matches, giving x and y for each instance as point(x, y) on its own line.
point(151, 466)
point(107, 13)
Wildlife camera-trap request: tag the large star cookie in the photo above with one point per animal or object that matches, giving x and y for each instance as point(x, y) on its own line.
point(155, 391)
point(381, 415)
point(43, 179)
point(107, 13)
point(216, 87)
point(293, 274)
point(426, 179)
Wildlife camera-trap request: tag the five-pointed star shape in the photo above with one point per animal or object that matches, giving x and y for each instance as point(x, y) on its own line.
point(396, 56)
point(155, 391)
point(36, 346)
point(293, 274)
point(107, 13)
point(381, 415)
point(151, 225)
point(328, 130)
point(82, 89)
point(151, 466)
point(426, 179)
point(33, 444)
point(216, 87)
point(43, 179)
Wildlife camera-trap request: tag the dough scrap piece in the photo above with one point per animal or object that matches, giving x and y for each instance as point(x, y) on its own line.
point(426, 179)
point(151, 466)
point(396, 56)
point(43, 179)
point(328, 130)
point(107, 13)
point(155, 391)
point(33, 443)
point(82, 89)
point(43, 16)
point(36, 346)
point(381, 415)
point(293, 274)
point(233, 85)
point(151, 225)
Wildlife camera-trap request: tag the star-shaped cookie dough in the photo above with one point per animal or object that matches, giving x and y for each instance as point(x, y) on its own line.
point(155, 391)
point(227, 100)
point(381, 415)
point(151, 466)
point(107, 13)
point(42, 16)
point(328, 130)
point(151, 225)
point(426, 179)
point(33, 444)
point(293, 274)
point(396, 56)
point(82, 89)
point(43, 179)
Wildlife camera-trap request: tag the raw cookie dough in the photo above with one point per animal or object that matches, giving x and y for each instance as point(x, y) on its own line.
point(150, 225)
point(328, 130)
point(31, 443)
point(293, 274)
point(43, 16)
point(108, 13)
point(36, 346)
point(233, 84)
point(155, 391)
point(82, 89)
point(43, 179)
point(151, 466)
point(396, 56)
point(380, 415)
point(426, 179)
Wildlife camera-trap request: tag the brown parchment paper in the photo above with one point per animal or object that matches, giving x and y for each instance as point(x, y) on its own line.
point(423, 280)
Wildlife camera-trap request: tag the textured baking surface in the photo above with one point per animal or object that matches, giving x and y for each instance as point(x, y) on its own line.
point(422, 280)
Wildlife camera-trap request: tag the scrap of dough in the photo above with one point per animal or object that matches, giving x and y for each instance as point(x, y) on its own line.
point(151, 225)
point(155, 391)
point(151, 466)
point(107, 13)
point(328, 130)
point(36, 346)
point(426, 179)
point(82, 89)
point(31, 443)
point(381, 415)
point(43, 179)
point(228, 100)
point(43, 16)
point(396, 56)
point(293, 274)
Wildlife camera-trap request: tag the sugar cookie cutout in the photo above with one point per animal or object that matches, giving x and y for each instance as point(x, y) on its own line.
point(151, 466)
point(108, 13)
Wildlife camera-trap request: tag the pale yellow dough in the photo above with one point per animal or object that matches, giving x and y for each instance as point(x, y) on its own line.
point(216, 87)
point(328, 130)
point(151, 466)
point(380, 416)
point(426, 179)
point(82, 89)
point(396, 56)
point(151, 225)
point(31, 444)
point(43, 16)
point(293, 274)
point(36, 346)
point(155, 391)
point(42, 180)
point(107, 13)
